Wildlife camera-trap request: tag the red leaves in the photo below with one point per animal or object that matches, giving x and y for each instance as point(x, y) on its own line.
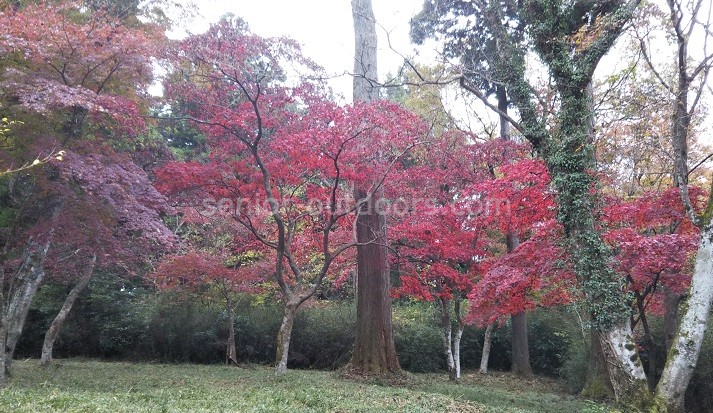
point(77, 59)
point(535, 274)
point(194, 269)
point(654, 241)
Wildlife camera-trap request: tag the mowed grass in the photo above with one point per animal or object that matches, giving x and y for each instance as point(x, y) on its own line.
point(93, 386)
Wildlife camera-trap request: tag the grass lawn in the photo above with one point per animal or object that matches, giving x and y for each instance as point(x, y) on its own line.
point(93, 386)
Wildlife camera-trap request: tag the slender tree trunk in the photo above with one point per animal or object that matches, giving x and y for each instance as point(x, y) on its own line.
point(686, 346)
point(670, 316)
point(457, 339)
point(29, 276)
point(231, 352)
point(485, 356)
point(651, 346)
point(374, 348)
point(283, 337)
point(56, 326)
point(503, 103)
point(448, 337)
point(456, 350)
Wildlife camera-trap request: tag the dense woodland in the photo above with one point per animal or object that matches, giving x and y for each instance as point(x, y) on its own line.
point(246, 215)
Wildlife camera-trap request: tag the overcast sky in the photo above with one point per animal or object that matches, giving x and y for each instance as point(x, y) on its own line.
point(323, 27)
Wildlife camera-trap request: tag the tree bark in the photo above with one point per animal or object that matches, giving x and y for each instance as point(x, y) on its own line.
point(627, 375)
point(56, 326)
point(503, 103)
point(448, 337)
point(686, 346)
point(365, 70)
point(29, 276)
point(485, 356)
point(518, 322)
point(520, 346)
point(374, 349)
point(670, 316)
point(651, 346)
point(231, 351)
point(457, 338)
point(598, 385)
point(283, 338)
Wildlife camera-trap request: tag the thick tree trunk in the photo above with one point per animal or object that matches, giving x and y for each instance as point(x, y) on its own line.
point(485, 356)
point(520, 346)
point(365, 69)
point(625, 370)
point(283, 338)
point(231, 354)
point(29, 276)
point(56, 326)
point(598, 385)
point(686, 346)
point(374, 349)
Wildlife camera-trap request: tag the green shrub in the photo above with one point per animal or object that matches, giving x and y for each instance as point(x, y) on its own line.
point(550, 335)
point(182, 328)
point(323, 336)
point(256, 327)
point(108, 319)
point(418, 338)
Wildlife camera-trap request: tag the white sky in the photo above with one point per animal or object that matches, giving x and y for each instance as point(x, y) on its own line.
point(324, 28)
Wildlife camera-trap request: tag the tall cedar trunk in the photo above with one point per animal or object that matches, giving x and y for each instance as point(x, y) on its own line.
point(56, 326)
point(518, 322)
point(448, 337)
point(670, 316)
point(519, 343)
point(686, 347)
point(29, 276)
point(485, 356)
point(283, 337)
point(374, 349)
point(231, 354)
point(520, 347)
point(598, 385)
